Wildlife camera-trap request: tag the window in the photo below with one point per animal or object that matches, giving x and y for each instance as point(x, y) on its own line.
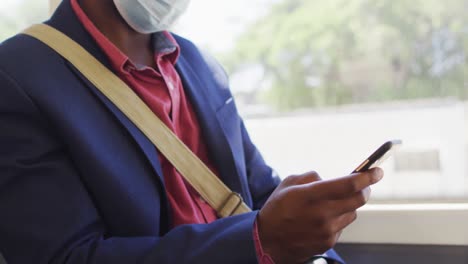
point(321, 84)
point(330, 81)
point(15, 15)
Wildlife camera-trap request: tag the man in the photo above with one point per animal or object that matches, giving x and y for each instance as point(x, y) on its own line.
point(79, 183)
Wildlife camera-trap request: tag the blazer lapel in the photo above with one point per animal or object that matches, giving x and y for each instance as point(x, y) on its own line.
point(217, 143)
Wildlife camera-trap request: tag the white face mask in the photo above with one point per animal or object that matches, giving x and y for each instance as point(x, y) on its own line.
point(149, 16)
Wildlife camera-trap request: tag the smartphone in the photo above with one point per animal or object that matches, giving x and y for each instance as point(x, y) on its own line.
point(379, 156)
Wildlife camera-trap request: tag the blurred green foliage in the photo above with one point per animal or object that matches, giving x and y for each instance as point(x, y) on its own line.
point(331, 52)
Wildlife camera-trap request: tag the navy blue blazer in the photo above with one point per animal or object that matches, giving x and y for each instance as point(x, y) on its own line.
point(79, 183)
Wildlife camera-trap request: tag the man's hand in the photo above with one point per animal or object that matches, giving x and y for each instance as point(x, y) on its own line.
point(306, 215)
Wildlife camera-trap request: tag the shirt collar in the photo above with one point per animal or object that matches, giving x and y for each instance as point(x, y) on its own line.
point(164, 44)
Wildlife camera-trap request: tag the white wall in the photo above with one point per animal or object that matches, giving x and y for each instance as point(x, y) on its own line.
point(335, 141)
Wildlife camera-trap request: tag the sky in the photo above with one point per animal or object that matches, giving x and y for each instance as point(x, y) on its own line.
point(11, 12)
point(214, 24)
point(9, 7)
point(9, 3)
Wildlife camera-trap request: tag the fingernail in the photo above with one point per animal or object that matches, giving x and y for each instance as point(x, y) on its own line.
point(377, 175)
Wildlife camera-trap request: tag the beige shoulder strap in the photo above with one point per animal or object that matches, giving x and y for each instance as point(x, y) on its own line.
point(208, 185)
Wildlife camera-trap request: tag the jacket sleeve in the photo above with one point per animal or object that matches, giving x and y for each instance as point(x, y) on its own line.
point(48, 216)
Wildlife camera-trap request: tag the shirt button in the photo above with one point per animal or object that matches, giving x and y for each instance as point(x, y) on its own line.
point(171, 86)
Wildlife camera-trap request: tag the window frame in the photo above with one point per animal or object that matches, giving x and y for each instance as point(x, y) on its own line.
point(412, 224)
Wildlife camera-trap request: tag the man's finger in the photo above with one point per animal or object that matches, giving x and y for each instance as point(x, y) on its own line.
point(305, 178)
point(344, 221)
point(351, 203)
point(308, 177)
point(344, 187)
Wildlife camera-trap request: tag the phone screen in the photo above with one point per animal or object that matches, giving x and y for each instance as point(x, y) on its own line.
point(379, 156)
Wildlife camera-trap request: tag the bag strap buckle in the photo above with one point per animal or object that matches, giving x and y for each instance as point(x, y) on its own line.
point(230, 205)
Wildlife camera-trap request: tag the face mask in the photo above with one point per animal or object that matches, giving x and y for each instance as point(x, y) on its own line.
point(149, 16)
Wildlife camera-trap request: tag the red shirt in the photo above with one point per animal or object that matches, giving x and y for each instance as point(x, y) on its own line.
point(161, 89)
